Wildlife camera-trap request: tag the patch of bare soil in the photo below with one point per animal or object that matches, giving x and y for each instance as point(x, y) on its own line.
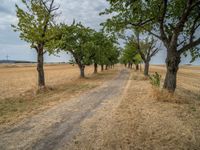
point(141, 122)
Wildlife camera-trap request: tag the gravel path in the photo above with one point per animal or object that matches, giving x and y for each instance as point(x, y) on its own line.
point(58, 125)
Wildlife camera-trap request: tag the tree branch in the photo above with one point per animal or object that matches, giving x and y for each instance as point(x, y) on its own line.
point(161, 20)
point(189, 46)
point(184, 17)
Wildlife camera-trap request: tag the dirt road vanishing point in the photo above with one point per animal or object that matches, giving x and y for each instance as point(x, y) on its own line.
point(56, 127)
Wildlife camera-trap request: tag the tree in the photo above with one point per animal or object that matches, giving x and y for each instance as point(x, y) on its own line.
point(76, 39)
point(176, 23)
point(36, 27)
point(97, 49)
point(146, 48)
point(130, 55)
point(103, 50)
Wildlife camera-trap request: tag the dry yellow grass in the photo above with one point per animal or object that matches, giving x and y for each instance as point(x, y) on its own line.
point(143, 122)
point(18, 86)
point(188, 83)
point(17, 79)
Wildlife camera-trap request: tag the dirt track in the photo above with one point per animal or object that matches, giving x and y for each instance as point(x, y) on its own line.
point(56, 127)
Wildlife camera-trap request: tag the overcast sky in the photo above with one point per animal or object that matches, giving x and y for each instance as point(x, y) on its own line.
point(86, 11)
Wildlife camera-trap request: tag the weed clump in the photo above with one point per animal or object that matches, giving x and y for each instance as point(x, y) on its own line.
point(155, 79)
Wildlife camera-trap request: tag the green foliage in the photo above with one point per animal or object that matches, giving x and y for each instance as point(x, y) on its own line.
point(130, 53)
point(36, 22)
point(163, 19)
point(86, 45)
point(75, 39)
point(103, 49)
point(155, 79)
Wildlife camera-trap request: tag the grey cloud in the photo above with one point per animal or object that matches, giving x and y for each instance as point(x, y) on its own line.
point(5, 10)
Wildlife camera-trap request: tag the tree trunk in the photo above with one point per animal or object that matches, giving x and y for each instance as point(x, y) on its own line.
point(102, 68)
point(95, 68)
point(172, 64)
point(82, 71)
point(137, 67)
point(146, 68)
point(40, 69)
point(140, 67)
point(106, 67)
point(129, 65)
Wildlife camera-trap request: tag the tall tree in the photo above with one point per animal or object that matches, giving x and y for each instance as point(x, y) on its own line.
point(130, 55)
point(76, 39)
point(104, 50)
point(176, 23)
point(146, 48)
point(36, 27)
point(97, 49)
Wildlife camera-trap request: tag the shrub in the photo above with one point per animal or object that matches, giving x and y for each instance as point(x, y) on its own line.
point(155, 79)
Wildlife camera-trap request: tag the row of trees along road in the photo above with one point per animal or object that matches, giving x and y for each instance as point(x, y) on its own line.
point(87, 46)
point(130, 55)
point(175, 23)
point(37, 26)
point(137, 51)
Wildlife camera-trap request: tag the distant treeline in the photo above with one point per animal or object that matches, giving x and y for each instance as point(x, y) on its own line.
point(29, 62)
point(15, 61)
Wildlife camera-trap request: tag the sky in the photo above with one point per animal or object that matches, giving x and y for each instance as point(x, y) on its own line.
point(85, 11)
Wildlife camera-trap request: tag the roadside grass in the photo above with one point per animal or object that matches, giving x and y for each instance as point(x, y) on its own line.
point(31, 102)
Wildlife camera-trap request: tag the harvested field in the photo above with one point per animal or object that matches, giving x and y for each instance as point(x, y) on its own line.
point(19, 97)
point(17, 79)
point(125, 112)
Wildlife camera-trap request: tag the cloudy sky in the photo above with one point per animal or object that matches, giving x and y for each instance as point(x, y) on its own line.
point(86, 11)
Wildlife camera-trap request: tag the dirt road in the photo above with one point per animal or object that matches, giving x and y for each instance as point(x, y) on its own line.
point(56, 127)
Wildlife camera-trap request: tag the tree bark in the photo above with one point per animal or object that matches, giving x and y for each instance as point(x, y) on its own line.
point(146, 68)
point(40, 69)
point(106, 67)
point(82, 70)
point(137, 67)
point(102, 68)
point(172, 64)
point(140, 67)
point(95, 68)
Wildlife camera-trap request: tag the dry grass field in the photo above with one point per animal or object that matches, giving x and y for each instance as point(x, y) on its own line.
point(143, 122)
point(142, 117)
point(17, 79)
point(188, 80)
point(18, 88)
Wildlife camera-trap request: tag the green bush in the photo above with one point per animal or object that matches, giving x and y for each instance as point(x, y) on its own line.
point(155, 79)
